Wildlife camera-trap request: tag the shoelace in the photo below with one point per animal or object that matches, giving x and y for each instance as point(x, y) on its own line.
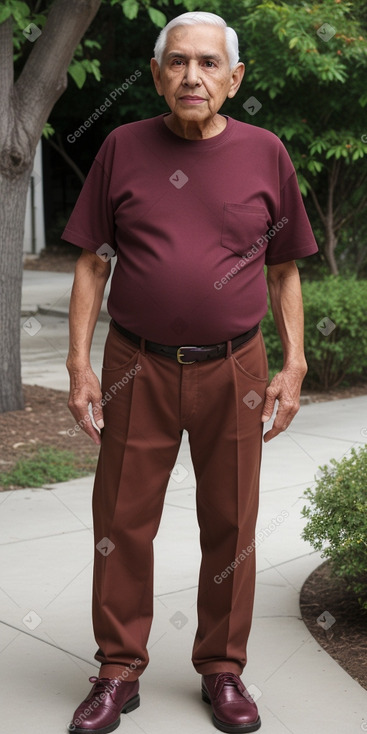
point(229, 679)
point(101, 684)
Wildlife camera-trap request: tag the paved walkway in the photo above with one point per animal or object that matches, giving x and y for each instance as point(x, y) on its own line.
point(47, 643)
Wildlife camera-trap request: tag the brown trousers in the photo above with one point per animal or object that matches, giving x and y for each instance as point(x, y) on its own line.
point(149, 400)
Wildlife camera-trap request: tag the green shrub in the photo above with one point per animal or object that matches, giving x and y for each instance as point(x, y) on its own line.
point(46, 465)
point(337, 517)
point(336, 357)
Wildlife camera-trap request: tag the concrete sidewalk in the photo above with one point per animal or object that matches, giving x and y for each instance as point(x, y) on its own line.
point(49, 293)
point(47, 643)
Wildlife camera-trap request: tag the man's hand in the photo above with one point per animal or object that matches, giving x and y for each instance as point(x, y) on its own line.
point(85, 389)
point(286, 387)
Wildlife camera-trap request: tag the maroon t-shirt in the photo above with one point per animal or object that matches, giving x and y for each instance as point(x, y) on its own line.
point(192, 223)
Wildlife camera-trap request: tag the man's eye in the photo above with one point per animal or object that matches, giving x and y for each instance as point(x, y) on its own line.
point(211, 64)
point(177, 62)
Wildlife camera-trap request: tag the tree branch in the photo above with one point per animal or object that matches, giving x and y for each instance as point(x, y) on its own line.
point(60, 149)
point(346, 190)
point(44, 76)
point(318, 206)
point(6, 74)
point(334, 175)
point(351, 214)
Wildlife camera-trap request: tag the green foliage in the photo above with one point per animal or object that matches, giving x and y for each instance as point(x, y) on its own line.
point(46, 465)
point(337, 356)
point(78, 70)
point(131, 8)
point(157, 17)
point(294, 31)
point(48, 131)
point(287, 58)
point(337, 518)
point(22, 15)
point(82, 64)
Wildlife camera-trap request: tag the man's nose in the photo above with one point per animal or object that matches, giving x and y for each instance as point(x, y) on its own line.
point(192, 74)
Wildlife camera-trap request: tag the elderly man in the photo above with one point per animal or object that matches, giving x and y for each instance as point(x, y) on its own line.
point(193, 203)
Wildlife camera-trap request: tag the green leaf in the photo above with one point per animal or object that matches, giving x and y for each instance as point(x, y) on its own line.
point(78, 73)
point(94, 69)
point(88, 43)
point(48, 130)
point(157, 17)
point(293, 42)
point(4, 14)
point(332, 152)
point(130, 8)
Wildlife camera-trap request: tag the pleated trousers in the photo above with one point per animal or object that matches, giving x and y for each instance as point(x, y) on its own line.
point(148, 401)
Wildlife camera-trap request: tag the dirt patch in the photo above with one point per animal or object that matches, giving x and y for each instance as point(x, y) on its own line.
point(59, 260)
point(44, 421)
point(346, 639)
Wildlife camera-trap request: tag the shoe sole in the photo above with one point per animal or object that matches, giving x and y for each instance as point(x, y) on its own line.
point(129, 706)
point(231, 728)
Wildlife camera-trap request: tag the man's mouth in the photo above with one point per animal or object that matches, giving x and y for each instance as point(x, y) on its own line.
point(192, 99)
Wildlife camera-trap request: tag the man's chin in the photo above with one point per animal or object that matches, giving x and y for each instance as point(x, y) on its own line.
point(194, 113)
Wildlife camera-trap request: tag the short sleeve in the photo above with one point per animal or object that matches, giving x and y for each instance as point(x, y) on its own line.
point(291, 236)
point(91, 224)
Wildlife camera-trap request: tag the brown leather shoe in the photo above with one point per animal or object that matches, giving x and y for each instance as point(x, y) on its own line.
point(234, 710)
point(100, 711)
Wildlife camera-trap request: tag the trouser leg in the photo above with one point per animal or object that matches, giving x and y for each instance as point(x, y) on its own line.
point(139, 447)
point(226, 443)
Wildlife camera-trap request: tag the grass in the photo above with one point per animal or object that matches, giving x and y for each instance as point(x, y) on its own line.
point(46, 465)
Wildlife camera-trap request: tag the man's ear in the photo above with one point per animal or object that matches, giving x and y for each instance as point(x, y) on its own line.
point(156, 73)
point(237, 74)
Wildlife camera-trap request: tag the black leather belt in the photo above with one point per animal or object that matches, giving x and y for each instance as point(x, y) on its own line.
point(188, 354)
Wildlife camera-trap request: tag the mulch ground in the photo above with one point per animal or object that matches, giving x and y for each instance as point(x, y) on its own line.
point(60, 259)
point(346, 639)
point(44, 421)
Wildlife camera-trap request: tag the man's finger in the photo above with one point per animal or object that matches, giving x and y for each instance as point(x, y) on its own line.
point(79, 409)
point(93, 433)
point(282, 421)
point(97, 412)
point(268, 406)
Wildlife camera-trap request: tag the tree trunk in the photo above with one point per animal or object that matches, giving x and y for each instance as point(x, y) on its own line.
point(24, 109)
point(330, 245)
point(13, 196)
point(331, 238)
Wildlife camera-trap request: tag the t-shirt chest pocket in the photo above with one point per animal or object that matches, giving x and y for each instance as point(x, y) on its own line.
point(242, 225)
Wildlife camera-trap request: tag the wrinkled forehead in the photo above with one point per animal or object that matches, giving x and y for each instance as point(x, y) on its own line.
point(197, 40)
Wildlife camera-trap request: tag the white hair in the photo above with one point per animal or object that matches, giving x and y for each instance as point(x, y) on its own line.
point(199, 18)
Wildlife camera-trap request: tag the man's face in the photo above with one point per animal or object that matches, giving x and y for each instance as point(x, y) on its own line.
point(195, 77)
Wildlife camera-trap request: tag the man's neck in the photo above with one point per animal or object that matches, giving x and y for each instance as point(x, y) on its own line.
point(194, 130)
